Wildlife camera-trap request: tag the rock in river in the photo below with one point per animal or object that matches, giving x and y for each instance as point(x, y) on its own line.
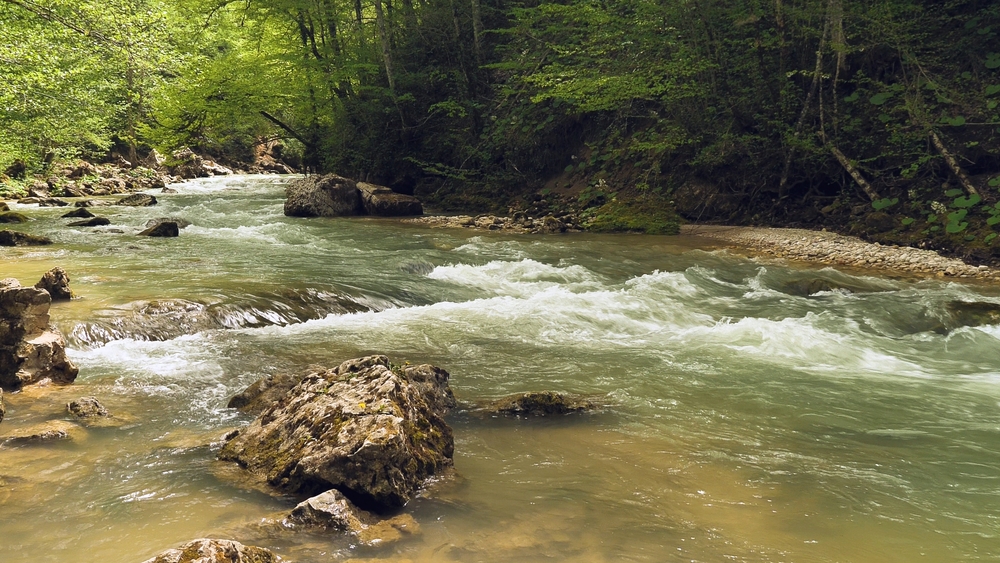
point(17, 238)
point(383, 202)
point(332, 511)
point(56, 282)
point(263, 393)
point(543, 403)
point(93, 222)
point(163, 229)
point(12, 217)
point(216, 551)
point(370, 430)
point(322, 196)
point(86, 407)
point(31, 350)
point(137, 200)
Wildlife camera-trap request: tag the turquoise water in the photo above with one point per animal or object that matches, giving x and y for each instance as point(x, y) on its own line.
point(742, 421)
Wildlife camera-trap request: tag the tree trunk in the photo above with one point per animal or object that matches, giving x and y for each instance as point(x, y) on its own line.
point(477, 29)
point(383, 35)
point(963, 178)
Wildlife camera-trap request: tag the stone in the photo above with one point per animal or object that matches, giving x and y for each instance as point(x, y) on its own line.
point(972, 313)
point(181, 223)
point(81, 212)
point(86, 407)
point(545, 403)
point(12, 217)
point(137, 200)
point(164, 229)
point(381, 201)
point(51, 431)
point(52, 202)
point(334, 512)
point(322, 196)
point(215, 551)
point(56, 282)
point(31, 350)
point(4, 206)
point(17, 238)
point(263, 393)
point(372, 431)
point(94, 222)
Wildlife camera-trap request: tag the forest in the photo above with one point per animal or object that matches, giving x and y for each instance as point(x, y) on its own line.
point(875, 118)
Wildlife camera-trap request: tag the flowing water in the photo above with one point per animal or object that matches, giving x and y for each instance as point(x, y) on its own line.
point(742, 420)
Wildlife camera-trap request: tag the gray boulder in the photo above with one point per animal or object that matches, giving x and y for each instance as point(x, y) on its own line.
point(181, 223)
point(216, 551)
point(383, 202)
point(332, 511)
point(31, 350)
point(56, 282)
point(372, 431)
point(137, 200)
point(322, 196)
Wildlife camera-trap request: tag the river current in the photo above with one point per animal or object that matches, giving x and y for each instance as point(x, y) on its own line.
point(742, 419)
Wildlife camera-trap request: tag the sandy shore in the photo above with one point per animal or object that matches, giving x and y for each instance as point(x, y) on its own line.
point(839, 250)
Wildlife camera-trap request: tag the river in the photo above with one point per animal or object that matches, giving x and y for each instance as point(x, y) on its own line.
point(742, 420)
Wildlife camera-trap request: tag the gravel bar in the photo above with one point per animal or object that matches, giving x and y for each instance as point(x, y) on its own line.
point(839, 250)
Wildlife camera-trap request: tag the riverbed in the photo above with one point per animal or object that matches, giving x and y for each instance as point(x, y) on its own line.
point(742, 419)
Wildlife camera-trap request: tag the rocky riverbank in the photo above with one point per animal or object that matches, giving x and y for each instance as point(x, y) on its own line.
point(839, 250)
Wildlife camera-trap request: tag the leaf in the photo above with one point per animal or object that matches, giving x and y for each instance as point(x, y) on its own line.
point(879, 99)
point(957, 121)
point(991, 105)
point(994, 183)
point(993, 220)
point(993, 63)
point(954, 192)
point(953, 228)
point(852, 98)
point(956, 216)
point(932, 218)
point(992, 89)
point(989, 238)
point(880, 204)
point(935, 228)
point(966, 202)
point(967, 75)
point(884, 118)
point(907, 221)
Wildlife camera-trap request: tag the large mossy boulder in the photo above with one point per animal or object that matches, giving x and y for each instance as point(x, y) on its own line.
point(31, 350)
point(216, 551)
point(381, 201)
point(264, 393)
point(373, 431)
point(137, 200)
point(322, 196)
point(542, 403)
point(165, 229)
point(12, 217)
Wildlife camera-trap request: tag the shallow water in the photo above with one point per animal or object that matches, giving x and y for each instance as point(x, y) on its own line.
point(744, 421)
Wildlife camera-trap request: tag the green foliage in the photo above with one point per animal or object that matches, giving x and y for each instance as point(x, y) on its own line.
point(880, 204)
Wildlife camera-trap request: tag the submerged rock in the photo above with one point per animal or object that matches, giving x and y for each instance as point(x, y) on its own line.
point(94, 222)
point(383, 202)
point(17, 238)
point(973, 313)
point(164, 229)
point(264, 392)
point(374, 432)
point(31, 350)
point(137, 200)
point(545, 403)
point(86, 407)
point(322, 196)
point(51, 431)
point(56, 282)
point(333, 511)
point(215, 551)
point(12, 217)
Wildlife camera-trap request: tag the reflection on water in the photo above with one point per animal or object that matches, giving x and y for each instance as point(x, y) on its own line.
point(754, 412)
